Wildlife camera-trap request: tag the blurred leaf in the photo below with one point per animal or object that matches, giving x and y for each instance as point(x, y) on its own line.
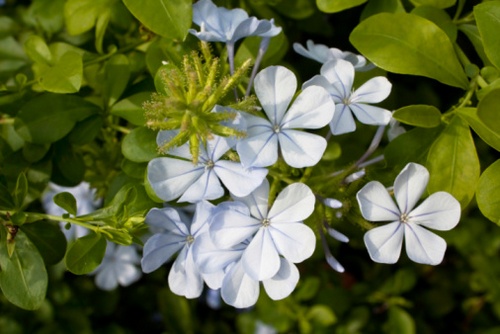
point(165, 18)
point(249, 48)
point(100, 28)
point(69, 166)
point(116, 76)
point(400, 322)
point(334, 6)
point(488, 110)
point(20, 191)
point(453, 162)
point(86, 131)
point(6, 200)
point(46, 15)
point(131, 108)
point(472, 33)
point(439, 17)
point(81, 15)
point(23, 278)
point(424, 116)
point(487, 16)
point(66, 201)
point(307, 288)
point(35, 152)
point(38, 50)
point(48, 239)
point(140, 145)
point(49, 117)
point(422, 47)
point(296, 9)
point(7, 26)
point(488, 190)
point(322, 315)
point(489, 136)
point(434, 3)
point(176, 312)
point(382, 6)
point(402, 281)
point(85, 254)
point(65, 76)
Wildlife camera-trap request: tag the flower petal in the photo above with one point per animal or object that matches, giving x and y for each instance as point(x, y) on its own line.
point(340, 73)
point(170, 178)
point(376, 204)
point(258, 151)
point(275, 87)
point(178, 151)
point(312, 109)
point(301, 149)
point(238, 289)
point(410, 185)
point(423, 246)
point(257, 201)
point(239, 180)
point(184, 279)
point(295, 241)
point(370, 115)
point(159, 249)
point(294, 203)
point(374, 90)
point(384, 242)
point(106, 279)
point(206, 187)
point(439, 211)
point(261, 260)
point(342, 121)
point(203, 213)
point(166, 220)
point(284, 282)
point(127, 273)
point(231, 227)
point(210, 258)
point(251, 27)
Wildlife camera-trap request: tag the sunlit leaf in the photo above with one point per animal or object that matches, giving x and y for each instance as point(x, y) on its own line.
point(66, 201)
point(131, 108)
point(488, 110)
point(434, 3)
point(140, 145)
point(488, 190)
point(420, 115)
point(85, 254)
point(489, 136)
point(334, 6)
point(487, 16)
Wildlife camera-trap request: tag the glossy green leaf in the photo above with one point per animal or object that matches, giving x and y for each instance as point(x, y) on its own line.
point(489, 136)
point(116, 76)
point(140, 145)
point(65, 76)
point(487, 16)
point(472, 33)
point(85, 254)
point(399, 322)
point(131, 108)
point(453, 162)
point(23, 278)
point(48, 239)
point(164, 17)
point(424, 116)
point(334, 6)
point(422, 48)
point(488, 110)
point(488, 190)
point(38, 50)
point(438, 17)
point(66, 201)
point(20, 191)
point(49, 117)
point(434, 3)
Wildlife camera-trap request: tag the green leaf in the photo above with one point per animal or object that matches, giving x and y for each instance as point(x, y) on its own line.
point(334, 6)
point(81, 15)
point(322, 315)
point(85, 131)
point(422, 48)
point(49, 117)
point(66, 201)
point(440, 18)
point(489, 136)
point(400, 322)
point(48, 239)
point(488, 110)
point(6, 200)
point(488, 189)
point(23, 278)
point(65, 76)
point(487, 16)
point(453, 162)
point(116, 76)
point(37, 50)
point(382, 6)
point(20, 191)
point(420, 115)
point(296, 9)
point(140, 145)
point(434, 3)
point(472, 33)
point(131, 108)
point(164, 17)
point(46, 15)
point(85, 254)
point(68, 164)
point(35, 152)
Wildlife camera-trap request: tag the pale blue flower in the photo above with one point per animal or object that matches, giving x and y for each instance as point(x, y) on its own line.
point(337, 77)
point(177, 236)
point(118, 267)
point(275, 87)
point(322, 54)
point(440, 211)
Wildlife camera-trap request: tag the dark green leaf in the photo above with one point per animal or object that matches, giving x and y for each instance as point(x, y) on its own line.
point(400, 322)
point(131, 108)
point(422, 47)
point(164, 17)
point(20, 191)
point(140, 145)
point(487, 16)
point(488, 190)
point(48, 239)
point(69, 166)
point(66, 201)
point(85, 254)
point(334, 6)
point(296, 9)
point(35, 152)
point(489, 136)
point(488, 110)
point(23, 278)
point(6, 200)
point(116, 76)
point(134, 169)
point(420, 115)
point(85, 131)
point(453, 162)
point(382, 6)
point(49, 117)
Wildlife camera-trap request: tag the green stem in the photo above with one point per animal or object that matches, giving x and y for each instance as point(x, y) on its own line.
point(40, 216)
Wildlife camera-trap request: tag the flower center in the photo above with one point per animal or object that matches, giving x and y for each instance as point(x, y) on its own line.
point(189, 239)
point(404, 218)
point(276, 128)
point(209, 165)
point(266, 222)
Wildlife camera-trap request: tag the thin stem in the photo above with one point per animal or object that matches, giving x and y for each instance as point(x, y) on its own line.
point(264, 44)
point(230, 57)
point(373, 145)
point(460, 7)
point(40, 216)
point(372, 161)
point(120, 128)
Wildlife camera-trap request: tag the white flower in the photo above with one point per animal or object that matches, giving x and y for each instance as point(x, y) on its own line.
point(178, 236)
point(322, 53)
point(119, 266)
point(337, 77)
point(395, 129)
point(275, 87)
point(218, 24)
point(440, 211)
point(171, 177)
point(86, 203)
point(279, 231)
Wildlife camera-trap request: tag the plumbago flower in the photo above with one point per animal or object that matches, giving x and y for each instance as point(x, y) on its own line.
point(177, 236)
point(275, 87)
point(322, 53)
point(337, 77)
point(118, 267)
point(440, 211)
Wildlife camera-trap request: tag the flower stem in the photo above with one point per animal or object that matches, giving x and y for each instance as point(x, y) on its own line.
point(264, 44)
